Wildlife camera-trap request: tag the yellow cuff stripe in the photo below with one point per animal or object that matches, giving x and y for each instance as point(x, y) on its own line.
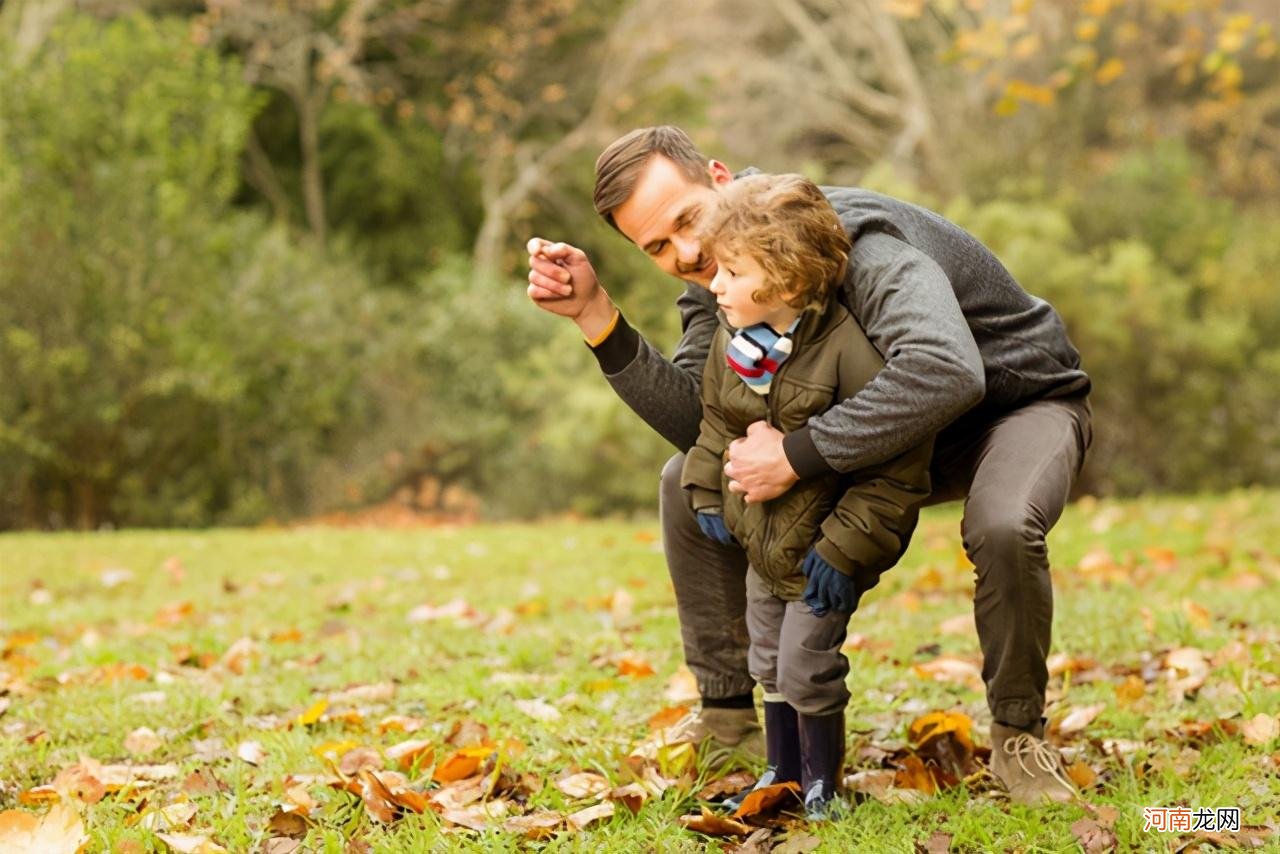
point(608, 330)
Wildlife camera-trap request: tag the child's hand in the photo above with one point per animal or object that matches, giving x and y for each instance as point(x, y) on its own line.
point(712, 524)
point(829, 589)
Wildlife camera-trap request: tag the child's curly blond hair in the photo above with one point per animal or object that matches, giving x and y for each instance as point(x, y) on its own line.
point(790, 229)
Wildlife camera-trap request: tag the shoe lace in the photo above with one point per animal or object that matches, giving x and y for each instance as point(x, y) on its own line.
point(1026, 746)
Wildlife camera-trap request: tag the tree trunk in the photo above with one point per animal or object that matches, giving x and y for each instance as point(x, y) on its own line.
point(312, 175)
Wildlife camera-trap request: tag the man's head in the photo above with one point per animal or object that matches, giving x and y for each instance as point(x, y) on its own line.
point(781, 229)
point(653, 185)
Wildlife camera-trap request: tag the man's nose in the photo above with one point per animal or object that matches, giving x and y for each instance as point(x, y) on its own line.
point(688, 250)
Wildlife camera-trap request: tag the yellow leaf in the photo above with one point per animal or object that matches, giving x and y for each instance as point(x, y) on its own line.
point(1109, 72)
point(1087, 30)
point(334, 749)
point(312, 714)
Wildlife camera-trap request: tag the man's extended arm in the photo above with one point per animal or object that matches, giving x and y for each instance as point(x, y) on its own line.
point(933, 371)
point(663, 392)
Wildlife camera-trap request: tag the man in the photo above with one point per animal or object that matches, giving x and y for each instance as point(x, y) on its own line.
point(969, 356)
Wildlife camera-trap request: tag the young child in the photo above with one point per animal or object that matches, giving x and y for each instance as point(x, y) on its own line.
point(786, 351)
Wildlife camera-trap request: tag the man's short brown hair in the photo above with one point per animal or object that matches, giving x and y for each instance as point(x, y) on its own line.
point(787, 225)
point(619, 166)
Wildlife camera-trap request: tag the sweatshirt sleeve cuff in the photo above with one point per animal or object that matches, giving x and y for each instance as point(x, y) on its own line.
point(619, 347)
point(803, 455)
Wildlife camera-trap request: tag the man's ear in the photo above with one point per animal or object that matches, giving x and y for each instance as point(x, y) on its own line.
point(719, 173)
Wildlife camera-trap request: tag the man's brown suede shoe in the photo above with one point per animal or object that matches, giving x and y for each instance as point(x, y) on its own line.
point(736, 729)
point(1028, 766)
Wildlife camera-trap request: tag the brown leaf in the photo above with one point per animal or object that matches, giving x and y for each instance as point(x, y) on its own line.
point(738, 781)
point(288, 824)
point(582, 819)
point(535, 826)
point(766, 798)
point(174, 816)
point(912, 774)
point(714, 825)
point(240, 655)
point(1093, 837)
point(400, 723)
point(797, 843)
point(78, 781)
point(951, 669)
point(477, 816)
point(360, 759)
point(632, 796)
point(585, 784)
point(1261, 729)
point(378, 692)
point(938, 843)
point(281, 845)
point(682, 687)
point(202, 782)
point(59, 831)
point(467, 733)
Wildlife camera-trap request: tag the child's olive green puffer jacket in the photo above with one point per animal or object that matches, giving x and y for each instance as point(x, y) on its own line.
point(861, 521)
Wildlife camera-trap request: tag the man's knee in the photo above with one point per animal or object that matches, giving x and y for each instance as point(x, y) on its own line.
point(1002, 530)
point(669, 489)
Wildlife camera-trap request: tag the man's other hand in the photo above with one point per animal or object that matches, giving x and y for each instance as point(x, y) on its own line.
point(758, 467)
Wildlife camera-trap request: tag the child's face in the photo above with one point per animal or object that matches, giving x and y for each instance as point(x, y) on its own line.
point(738, 277)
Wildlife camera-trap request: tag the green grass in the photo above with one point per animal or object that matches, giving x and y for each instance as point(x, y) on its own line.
point(348, 594)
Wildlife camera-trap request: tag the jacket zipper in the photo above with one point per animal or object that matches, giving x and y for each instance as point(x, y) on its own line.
point(770, 418)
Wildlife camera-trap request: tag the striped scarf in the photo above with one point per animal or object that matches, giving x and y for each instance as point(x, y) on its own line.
point(756, 353)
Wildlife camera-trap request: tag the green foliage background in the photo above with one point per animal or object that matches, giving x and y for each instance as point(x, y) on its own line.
point(177, 350)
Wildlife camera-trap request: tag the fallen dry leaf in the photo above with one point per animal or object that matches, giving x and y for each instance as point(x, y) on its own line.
point(191, 843)
point(312, 714)
point(240, 655)
point(281, 845)
point(938, 843)
point(1093, 837)
point(1080, 718)
point(142, 741)
point(59, 831)
point(535, 826)
point(947, 668)
point(632, 796)
point(477, 816)
point(768, 797)
point(360, 759)
point(400, 723)
point(1082, 775)
point(289, 824)
point(174, 816)
point(378, 692)
point(738, 781)
point(1186, 670)
point(462, 764)
point(1131, 690)
point(582, 819)
point(714, 825)
point(251, 752)
point(668, 716)
point(634, 667)
point(1261, 729)
point(410, 753)
point(682, 687)
point(584, 784)
point(538, 709)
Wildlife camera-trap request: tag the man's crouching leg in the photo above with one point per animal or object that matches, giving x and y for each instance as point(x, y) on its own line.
point(711, 601)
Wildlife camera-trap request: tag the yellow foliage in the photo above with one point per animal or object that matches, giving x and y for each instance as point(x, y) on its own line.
point(1087, 30)
point(1109, 72)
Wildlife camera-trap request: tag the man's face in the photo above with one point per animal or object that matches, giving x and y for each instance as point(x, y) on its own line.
point(662, 216)
point(738, 277)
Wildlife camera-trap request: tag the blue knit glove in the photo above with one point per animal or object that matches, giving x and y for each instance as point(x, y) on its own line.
point(712, 524)
point(829, 589)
